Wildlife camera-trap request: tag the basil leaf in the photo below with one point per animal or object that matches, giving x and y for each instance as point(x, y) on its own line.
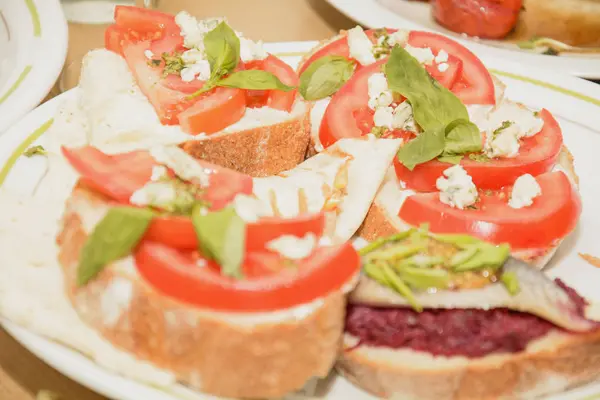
point(462, 137)
point(222, 237)
point(423, 148)
point(433, 105)
point(325, 76)
point(113, 238)
point(222, 47)
point(451, 159)
point(254, 80)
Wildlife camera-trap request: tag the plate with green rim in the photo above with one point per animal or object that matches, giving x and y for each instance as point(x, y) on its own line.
point(575, 103)
point(416, 15)
point(33, 45)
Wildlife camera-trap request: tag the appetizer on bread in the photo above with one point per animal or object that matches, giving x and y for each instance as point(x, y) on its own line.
point(156, 258)
point(453, 317)
point(198, 83)
point(473, 161)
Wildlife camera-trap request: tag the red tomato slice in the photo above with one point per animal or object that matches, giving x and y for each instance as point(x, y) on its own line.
point(143, 20)
point(475, 85)
point(178, 231)
point(119, 176)
point(174, 82)
point(113, 39)
point(348, 114)
point(209, 113)
point(277, 99)
point(466, 76)
point(552, 215)
point(537, 155)
point(176, 275)
point(490, 19)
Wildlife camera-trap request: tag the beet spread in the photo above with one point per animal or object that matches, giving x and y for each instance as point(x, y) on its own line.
point(454, 332)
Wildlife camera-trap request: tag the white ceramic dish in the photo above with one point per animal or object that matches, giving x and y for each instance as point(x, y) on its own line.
point(33, 48)
point(416, 15)
point(575, 103)
point(92, 11)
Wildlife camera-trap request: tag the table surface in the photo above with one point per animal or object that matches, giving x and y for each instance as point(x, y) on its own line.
point(22, 375)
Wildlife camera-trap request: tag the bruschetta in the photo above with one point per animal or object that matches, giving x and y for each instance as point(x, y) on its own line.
point(462, 137)
point(175, 79)
point(452, 317)
point(156, 259)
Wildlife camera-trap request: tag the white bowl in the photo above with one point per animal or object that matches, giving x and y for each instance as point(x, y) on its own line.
point(33, 49)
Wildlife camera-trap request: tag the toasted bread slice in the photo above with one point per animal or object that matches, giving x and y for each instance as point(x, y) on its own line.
point(382, 219)
point(551, 364)
point(119, 118)
point(575, 22)
point(249, 355)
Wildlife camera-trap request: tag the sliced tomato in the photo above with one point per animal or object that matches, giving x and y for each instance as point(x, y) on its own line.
point(552, 216)
point(466, 76)
point(119, 176)
point(209, 113)
point(537, 154)
point(348, 114)
point(115, 176)
point(178, 231)
point(489, 19)
point(277, 99)
point(475, 85)
point(177, 275)
point(135, 24)
point(174, 82)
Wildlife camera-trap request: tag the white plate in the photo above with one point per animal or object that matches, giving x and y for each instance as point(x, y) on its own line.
point(92, 11)
point(415, 15)
point(576, 104)
point(33, 48)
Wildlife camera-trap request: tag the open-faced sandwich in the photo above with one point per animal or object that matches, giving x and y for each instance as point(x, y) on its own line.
point(473, 161)
point(452, 317)
point(174, 79)
point(157, 259)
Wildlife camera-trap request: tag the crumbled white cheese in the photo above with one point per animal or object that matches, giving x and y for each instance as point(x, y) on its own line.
point(149, 54)
point(156, 194)
point(458, 190)
point(443, 67)
point(185, 166)
point(503, 142)
point(202, 263)
point(423, 55)
point(441, 57)
point(199, 70)
point(293, 247)
point(403, 118)
point(384, 117)
point(525, 189)
point(527, 122)
point(250, 209)
point(116, 300)
point(193, 31)
point(361, 48)
point(400, 37)
point(379, 93)
point(251, 50)
point(158, 172)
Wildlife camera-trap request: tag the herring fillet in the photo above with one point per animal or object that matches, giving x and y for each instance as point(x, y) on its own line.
point(538, 295)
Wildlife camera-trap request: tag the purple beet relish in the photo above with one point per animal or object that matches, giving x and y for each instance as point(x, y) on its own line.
point(453, 332)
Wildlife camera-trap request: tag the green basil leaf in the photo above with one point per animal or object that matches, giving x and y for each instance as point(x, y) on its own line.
point(254, 80)
point(325, 76)
point(433, 105)
point(222, 237)
point(462, 137)
point(423, 148)
point(114, 237)
point(451, 158)
point(222, 47)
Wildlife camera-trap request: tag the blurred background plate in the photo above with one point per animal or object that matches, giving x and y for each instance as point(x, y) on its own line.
point(33, 47)
point(416, 15)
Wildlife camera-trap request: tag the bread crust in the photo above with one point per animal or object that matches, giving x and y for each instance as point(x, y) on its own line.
point(575, 22)
point(258, 152)
point(217, 353)
point(378, 223)
point(549, 365)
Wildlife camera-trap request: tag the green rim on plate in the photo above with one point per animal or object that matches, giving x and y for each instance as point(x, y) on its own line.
point(35, 18)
